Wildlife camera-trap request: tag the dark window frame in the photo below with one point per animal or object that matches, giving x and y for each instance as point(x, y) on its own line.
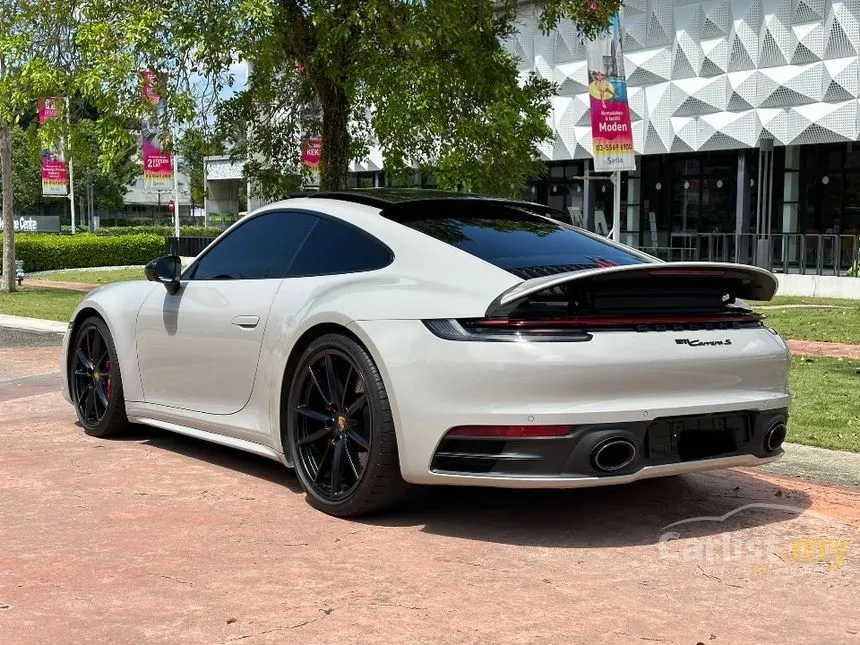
point(188, 274)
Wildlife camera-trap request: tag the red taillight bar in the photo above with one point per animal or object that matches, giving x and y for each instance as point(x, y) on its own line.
point(615, 321)
point(714, 273)
point(509, 431)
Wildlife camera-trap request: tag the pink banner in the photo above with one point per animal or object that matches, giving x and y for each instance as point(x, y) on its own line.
point(611, 133)
point(148, 87)
point(54, 172)
point(157, 165)
point(48, 109)
point(311, 148)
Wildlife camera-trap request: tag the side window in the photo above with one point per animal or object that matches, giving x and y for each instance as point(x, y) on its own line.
point(263, 247)
point(333, 247)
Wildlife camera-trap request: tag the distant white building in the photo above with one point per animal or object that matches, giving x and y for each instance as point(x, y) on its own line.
point(140, 202)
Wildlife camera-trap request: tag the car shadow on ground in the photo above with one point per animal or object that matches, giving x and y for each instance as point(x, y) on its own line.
point(611, 516)
point(221, 456)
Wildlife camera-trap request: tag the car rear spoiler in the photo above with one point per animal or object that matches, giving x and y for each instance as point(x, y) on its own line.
point(739, 280)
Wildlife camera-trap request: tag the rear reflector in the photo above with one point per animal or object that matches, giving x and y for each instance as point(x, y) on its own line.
point(509, 431)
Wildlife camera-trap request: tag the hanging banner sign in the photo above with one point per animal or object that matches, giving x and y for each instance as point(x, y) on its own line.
point(48, 109)
point(53, 163)
point(311, 147)
point(157, 164)
point(54, 172)
point(611, 134)
point(148, 87)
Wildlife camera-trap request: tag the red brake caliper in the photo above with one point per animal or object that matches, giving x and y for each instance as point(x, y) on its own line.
point(109, 381)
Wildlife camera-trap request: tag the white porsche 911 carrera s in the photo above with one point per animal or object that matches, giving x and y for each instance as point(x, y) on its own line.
point(378, 339)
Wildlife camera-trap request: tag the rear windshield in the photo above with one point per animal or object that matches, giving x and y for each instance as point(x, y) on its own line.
point(515, 239)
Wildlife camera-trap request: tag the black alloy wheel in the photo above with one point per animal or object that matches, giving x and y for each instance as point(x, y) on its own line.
point(340, 430)
point(95, 385)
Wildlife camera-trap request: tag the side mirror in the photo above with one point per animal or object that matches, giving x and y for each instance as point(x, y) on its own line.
point(165, 270)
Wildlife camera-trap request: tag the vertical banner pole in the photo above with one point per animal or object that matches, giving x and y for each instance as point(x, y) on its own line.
point(71, 174)
point(175, 181)
point(616, 206)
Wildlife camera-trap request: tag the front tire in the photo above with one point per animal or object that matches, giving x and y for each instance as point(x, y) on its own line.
point(340, 431)
point(95, 383)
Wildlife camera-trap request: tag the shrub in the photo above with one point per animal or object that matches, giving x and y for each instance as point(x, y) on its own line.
point(854, 271)
point(164, 231)
point(46, 252)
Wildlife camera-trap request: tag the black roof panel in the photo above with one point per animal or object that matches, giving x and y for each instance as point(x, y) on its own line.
point(386, 198)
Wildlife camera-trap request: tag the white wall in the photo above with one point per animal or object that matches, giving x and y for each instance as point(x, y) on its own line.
point(820, 286)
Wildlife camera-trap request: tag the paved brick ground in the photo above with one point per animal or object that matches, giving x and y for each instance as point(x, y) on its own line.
point(160, 539)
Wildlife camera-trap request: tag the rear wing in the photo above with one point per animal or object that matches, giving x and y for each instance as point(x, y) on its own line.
point(739, 281)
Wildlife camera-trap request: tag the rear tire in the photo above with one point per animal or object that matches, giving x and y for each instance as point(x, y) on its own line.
point(95, 382)
point(340, 431)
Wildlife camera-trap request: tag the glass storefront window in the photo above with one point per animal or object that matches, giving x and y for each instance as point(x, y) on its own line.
point(720, 163)
point(718, 208)
point(851, 214)
point(685, 205)
point(852, 158)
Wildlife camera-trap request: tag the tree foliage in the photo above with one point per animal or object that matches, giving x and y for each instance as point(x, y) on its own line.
point(429, 83)
point(55, 48)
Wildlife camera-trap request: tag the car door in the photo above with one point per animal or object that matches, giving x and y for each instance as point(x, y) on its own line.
point(199, 349)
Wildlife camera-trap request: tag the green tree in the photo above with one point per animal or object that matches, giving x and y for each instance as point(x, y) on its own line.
point(65, 48)
point(26, 169)
point(109, 172)
point(195, 144)
point(430, 83)
point(109, 186)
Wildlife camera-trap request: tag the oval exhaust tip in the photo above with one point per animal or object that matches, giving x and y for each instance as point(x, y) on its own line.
point(613, 454)
point(774, 437)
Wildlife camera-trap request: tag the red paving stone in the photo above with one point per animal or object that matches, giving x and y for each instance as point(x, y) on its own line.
point(817, 348)
point(157, 538)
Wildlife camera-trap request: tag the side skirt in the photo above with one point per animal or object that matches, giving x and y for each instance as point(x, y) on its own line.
point(220, 439)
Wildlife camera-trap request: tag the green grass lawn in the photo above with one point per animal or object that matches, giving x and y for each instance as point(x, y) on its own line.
point(825, 410)
point(838, 325)
point(832, 325)
point(94, 276)
point(35, 302)
point(803, 300)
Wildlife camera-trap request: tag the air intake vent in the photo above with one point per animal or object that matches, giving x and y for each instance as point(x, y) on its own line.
point(527, 273)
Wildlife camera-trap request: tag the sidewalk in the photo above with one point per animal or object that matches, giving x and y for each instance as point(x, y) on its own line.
point(57, 284)
point(32, 324)
point(818, 464)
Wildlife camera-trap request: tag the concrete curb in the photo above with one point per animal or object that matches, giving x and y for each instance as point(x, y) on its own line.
point(837, 467)
point(32, 324)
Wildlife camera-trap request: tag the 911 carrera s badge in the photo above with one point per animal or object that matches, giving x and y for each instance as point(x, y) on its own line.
point(701, 343)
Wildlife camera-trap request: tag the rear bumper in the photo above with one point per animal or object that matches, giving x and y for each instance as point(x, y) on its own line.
point(617, 380)
point(647, 472)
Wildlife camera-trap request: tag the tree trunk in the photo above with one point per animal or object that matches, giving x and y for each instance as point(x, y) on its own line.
point(334, 164)
point(8, 282)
